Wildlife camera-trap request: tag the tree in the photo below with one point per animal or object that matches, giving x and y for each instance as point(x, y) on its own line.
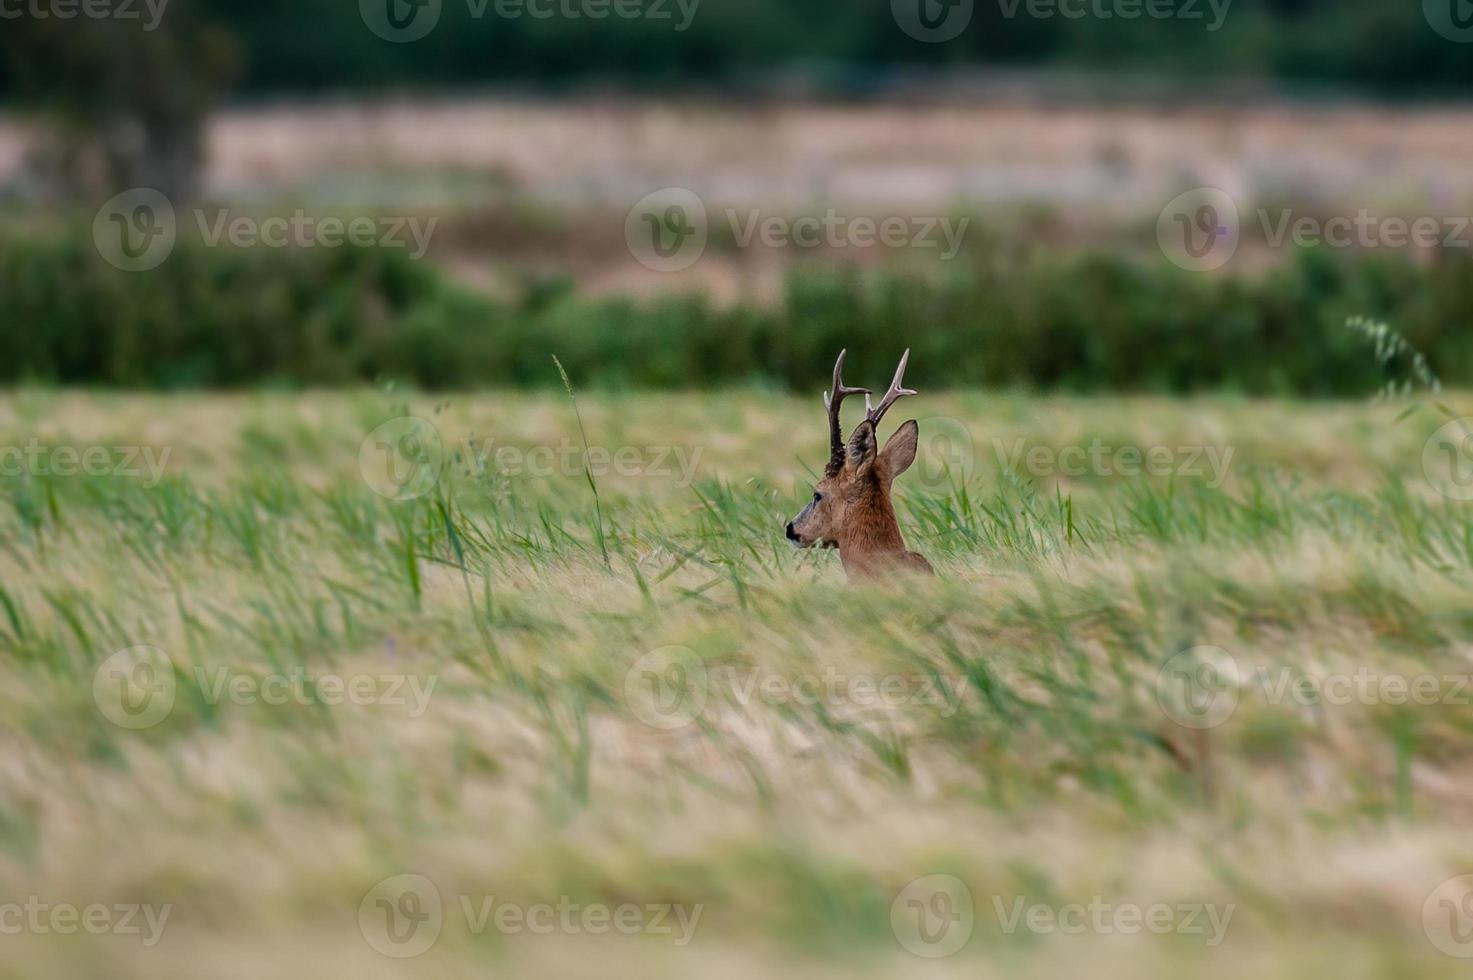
point(127, 96)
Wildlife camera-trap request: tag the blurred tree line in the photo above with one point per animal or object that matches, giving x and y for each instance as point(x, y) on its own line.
point(128, 97)
point(296, 45)
point(1002, 318)
point(323, 45)
point(126, 105)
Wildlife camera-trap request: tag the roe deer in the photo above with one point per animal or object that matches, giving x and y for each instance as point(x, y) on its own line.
point(850, 509)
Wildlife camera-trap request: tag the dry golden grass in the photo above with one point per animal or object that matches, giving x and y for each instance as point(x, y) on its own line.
point(1027, 746)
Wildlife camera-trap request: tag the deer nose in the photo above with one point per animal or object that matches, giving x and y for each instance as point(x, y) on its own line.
point(792, 535)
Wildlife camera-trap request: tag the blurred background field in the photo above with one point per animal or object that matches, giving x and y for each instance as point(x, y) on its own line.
point(1060, 140)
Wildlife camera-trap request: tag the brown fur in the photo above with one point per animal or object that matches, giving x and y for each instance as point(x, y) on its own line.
point(852, 510)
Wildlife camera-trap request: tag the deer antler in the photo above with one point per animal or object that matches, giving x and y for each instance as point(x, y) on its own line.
point(892, 396)
point(832, 400)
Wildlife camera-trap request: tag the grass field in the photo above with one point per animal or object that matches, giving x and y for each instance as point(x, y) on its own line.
point(562, 699)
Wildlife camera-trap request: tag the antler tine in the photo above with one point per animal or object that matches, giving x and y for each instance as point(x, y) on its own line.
point(832, 399)
point(892, 396)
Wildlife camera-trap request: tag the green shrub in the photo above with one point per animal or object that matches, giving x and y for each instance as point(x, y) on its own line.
point(1079, 322)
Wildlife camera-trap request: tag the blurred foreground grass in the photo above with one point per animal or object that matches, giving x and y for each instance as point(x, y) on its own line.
point(646, 698)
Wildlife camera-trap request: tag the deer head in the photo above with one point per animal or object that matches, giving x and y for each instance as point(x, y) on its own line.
point(850, 509)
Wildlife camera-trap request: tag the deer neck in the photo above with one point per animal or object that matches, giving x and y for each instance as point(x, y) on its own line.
point(872, 538)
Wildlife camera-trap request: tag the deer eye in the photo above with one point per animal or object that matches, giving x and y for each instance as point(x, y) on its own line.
point(817, 497)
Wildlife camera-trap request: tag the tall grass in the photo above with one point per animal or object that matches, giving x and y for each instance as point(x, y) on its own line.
point(1029, 756)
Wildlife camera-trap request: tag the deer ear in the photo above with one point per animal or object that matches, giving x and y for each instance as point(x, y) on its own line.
point(900, 450)
point(863, 445)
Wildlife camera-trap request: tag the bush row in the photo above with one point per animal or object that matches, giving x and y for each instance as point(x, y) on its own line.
point(1078, 322)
